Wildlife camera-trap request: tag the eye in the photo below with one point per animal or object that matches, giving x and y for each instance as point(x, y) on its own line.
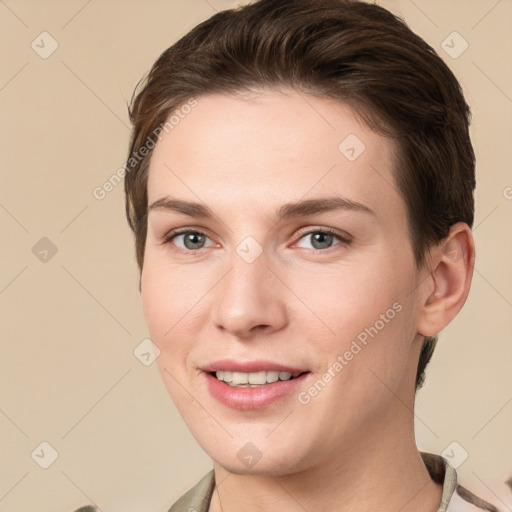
point(191, 239)
point(323, 238)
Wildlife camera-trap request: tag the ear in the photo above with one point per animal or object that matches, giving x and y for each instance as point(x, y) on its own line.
point(452, 263)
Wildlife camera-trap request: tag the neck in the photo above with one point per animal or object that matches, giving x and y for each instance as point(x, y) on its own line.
point(379, 469)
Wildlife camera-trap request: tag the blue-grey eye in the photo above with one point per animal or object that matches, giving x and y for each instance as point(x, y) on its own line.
point(321, 240)
point(193, 240)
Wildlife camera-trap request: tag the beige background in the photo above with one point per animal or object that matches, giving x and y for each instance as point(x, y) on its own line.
point(70, 325)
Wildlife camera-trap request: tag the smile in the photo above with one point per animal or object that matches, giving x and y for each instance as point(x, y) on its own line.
point(253, 379)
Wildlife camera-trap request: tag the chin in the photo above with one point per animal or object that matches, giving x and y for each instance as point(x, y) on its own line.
point(261, 458)
point(260, 468)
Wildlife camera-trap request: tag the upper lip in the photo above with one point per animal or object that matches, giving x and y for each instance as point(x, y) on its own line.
point(259, 365)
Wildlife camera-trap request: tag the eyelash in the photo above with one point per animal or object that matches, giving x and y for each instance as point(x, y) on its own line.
point(343, 239)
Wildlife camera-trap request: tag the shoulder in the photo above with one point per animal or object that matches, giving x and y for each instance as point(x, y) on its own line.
point(463, 500)
point(198, 498)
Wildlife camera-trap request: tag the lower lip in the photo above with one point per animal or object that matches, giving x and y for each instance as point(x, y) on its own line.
point(252, 398)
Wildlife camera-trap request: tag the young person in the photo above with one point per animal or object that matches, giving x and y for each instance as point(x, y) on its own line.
point(300, 186)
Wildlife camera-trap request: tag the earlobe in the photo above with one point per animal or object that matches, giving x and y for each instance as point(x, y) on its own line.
point(452, 270)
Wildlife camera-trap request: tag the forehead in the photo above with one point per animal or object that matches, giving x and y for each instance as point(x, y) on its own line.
point(271, 146)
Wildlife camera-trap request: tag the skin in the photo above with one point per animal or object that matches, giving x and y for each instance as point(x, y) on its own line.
point(244, 156)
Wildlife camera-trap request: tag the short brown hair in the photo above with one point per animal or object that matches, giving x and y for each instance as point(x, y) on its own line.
point(348, 50)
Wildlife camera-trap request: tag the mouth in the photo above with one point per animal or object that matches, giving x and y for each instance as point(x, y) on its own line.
point(254, 379)
point(253, 384)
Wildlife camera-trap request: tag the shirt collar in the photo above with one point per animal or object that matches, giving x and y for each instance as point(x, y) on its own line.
point(442, 472)
point(198, 498)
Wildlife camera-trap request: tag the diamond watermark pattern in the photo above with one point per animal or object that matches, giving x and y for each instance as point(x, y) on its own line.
point(455, 454)
point(44, 45)
point(44, 250)
point(249, 249)
point(44, 455)
point(146, 352)
point(454, 45)
point(249, 454)
point(351, 147)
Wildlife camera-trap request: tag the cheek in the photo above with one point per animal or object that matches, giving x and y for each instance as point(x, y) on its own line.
point(163, 299)
point(165, 291)
point(369, 319)
point(156, 303)
point(349, 299)
point(174, 303)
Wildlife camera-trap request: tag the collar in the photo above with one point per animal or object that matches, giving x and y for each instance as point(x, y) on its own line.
point(198, 498)
point(442, 472)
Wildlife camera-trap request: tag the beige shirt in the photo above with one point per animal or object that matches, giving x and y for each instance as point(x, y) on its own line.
point(455, 498)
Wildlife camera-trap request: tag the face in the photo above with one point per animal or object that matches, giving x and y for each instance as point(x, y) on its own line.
point(278, 244)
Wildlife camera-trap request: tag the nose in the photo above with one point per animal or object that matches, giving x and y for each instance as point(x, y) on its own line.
point(250, 298)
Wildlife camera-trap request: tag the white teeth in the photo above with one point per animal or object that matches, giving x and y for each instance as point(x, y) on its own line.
point(272, 376)
point(240, 378)
point(253, 379)
point(257, 378)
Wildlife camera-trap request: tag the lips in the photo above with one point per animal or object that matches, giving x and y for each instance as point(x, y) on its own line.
point(231, 365)
point(247, 396)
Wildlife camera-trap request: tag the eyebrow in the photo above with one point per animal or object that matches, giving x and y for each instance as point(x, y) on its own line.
point(289, 210)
